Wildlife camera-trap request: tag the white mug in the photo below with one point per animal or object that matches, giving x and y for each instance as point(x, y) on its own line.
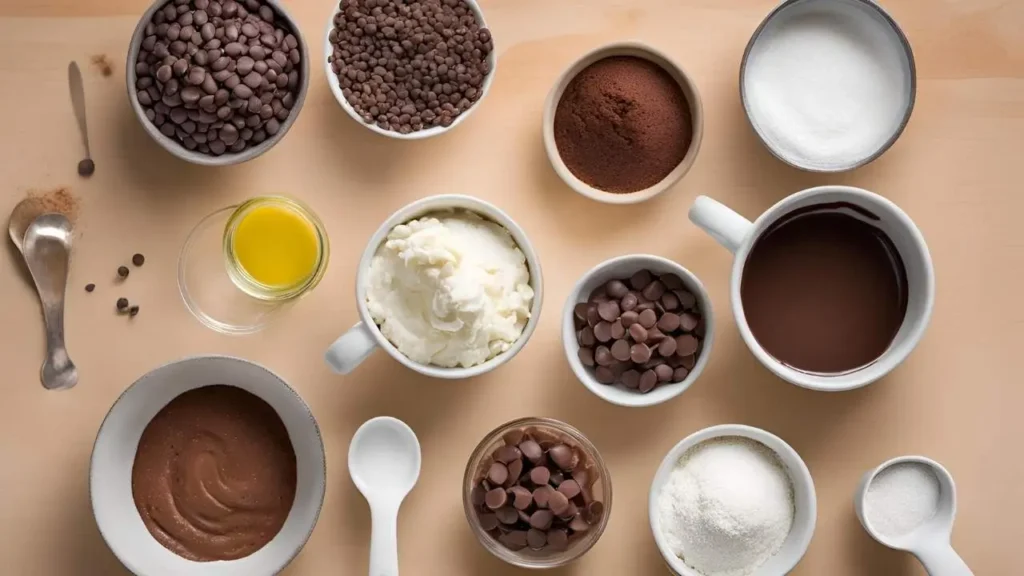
point(356, 345)
point(739, 234)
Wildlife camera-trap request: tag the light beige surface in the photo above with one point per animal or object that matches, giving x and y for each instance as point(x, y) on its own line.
point(957, 171)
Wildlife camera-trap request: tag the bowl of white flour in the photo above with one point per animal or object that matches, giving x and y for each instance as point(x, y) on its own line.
point(732, 500)
point(828, 85)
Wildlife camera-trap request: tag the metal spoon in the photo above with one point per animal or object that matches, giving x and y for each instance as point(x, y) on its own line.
point(86, 167)
point(47, 250)
point(384, 462)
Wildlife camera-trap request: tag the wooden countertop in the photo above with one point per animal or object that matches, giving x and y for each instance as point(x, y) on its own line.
point(957, 171)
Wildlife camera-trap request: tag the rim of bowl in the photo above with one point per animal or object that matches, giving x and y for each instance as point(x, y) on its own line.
point(801, 475)
point(651, 54)
point(335, 86)
point(194, 156)
point(486, 210)
point(628, 398)
point(469, 476)
point(231, 359)
point(911, 97)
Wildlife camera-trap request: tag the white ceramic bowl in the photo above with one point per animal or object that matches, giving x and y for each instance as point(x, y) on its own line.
point(195, 156)
point(795, 545)
point(113, 455)
point(332, 81)
point(624, 267)
point(354, 346)
point(639, 50)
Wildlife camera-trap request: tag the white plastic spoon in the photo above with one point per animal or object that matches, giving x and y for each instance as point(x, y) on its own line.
point(930, 541)
point(384, 461)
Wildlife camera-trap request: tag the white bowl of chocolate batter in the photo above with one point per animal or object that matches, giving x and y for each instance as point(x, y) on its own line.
point(208, 466)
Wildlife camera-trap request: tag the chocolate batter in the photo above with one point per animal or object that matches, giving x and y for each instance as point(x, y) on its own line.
point(824, 291)
point(214, 475)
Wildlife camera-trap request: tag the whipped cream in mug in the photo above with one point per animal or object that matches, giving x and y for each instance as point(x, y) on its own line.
point(449, 289)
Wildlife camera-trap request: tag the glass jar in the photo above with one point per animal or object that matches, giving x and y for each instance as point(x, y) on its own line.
point(553, 432)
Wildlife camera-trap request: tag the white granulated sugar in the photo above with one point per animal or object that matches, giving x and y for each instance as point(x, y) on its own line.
point(901, 498)
point(727, 507)
point(827, 83)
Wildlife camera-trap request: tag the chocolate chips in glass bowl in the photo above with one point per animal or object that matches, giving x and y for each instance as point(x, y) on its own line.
point(537, 490)
point(408, 66)
point(641, 332)
point(217, 76)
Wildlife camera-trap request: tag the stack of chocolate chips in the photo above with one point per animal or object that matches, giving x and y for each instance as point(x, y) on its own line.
point(536, 492)
point(641, 331)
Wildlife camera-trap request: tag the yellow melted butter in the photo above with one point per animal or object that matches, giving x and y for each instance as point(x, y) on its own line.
point(276, 246)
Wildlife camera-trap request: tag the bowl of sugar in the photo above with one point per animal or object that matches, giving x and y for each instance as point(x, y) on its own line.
point(828, 85)
point(732, 499)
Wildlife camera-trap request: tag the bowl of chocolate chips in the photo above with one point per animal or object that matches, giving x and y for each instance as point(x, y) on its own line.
point(638, 329)
point(409, 69)
point(536, 493)
point(217, 82)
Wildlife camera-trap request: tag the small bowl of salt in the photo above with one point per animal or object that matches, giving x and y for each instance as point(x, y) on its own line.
point(909, 504)
point(828, 85)
point(732, 499)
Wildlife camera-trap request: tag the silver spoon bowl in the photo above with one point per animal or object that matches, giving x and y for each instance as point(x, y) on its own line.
point(46, 247)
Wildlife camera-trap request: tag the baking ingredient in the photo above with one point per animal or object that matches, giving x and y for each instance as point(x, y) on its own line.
point(622, 124)
point(122, 304)
point(824, 290)
point(536, 490)
point(727, 507)
point(449, 289)
point(828, 83)
point(138, 260)
point(276, 245)
point(133, 310)
point(214, 476)
point(122, 272)
point(218, 76)
point(901, 498)
point(90, 287)
point(36, 203)
point(640, 331)
point(409, 65)
point(86, 167)
point(102, 63)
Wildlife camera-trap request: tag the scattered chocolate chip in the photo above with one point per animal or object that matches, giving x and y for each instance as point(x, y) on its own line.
point(122, 271)
point(90, 287)
point(122, 304)
point(138, 259)
point(86, 167)
point(133, 311)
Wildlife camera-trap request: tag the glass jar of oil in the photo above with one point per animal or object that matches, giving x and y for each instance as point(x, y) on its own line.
point(275, 248)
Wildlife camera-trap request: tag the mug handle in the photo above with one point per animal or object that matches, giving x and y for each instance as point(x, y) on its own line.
point(349, 350)
point(720, 222)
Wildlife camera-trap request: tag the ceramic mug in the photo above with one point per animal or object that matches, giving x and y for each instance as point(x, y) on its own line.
point(739, 234)
point(356, 345)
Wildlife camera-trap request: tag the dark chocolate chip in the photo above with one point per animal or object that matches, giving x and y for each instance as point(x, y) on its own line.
point(630, 379)
point(654, 290)
point(638, 333)
point(508, 514)
point(536, 539)
point(507, 454)
point(667, 347)
point(498, 473)
point(558, 539)
point(558, 503)
point(134, 310)
point(629, 302)
point(122, 304)
point(90, 287)
point(586, 356)
point(640, 353)
point(603, 356)
point(561, 455)
point(495, 498)
point(688, 322)
point(532, 450)
point(616, 289)
point(540, 475)
point(514, 540)
point(668, 322)
point(686, 345)
point(86, 167)
point(138, 259)
point(603, 331)
point(521, 497)
point(680, 374)
point(541, 519)
point(604, 375)
point(648, 318)
point(620, 350)
point(640, 279)
point(587, 337)
point(629, 318)
point(608, 311)
point(488, 521)
point(570, 488)
point(122, 271)
point(663, 372)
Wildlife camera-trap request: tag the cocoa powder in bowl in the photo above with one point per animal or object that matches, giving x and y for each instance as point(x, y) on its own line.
point(622, 124)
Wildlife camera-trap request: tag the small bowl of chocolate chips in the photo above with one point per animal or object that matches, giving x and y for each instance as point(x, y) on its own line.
point(536, 493)
point(217, 82)
point(638, 329)
point(409, 70)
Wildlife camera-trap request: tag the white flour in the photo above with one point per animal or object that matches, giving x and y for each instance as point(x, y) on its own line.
point(901, 498)
point(827, 83)
point(727, 507)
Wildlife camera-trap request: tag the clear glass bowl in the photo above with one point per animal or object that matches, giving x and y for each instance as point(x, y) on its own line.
point(218, 292)
point(601, 491)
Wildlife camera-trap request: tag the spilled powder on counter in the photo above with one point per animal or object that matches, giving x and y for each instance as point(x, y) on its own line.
point(56, 201)
point(901, 498)
point(727, 507)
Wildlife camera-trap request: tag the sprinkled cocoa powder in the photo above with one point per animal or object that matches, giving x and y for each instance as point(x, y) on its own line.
point(622, 124)
point(57, 201)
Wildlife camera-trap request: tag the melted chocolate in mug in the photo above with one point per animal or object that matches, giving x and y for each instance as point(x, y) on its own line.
point(824, 291)
point(215, 474)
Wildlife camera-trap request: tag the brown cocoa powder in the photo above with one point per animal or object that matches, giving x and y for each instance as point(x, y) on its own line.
point(56, 201)
point(622, 124)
